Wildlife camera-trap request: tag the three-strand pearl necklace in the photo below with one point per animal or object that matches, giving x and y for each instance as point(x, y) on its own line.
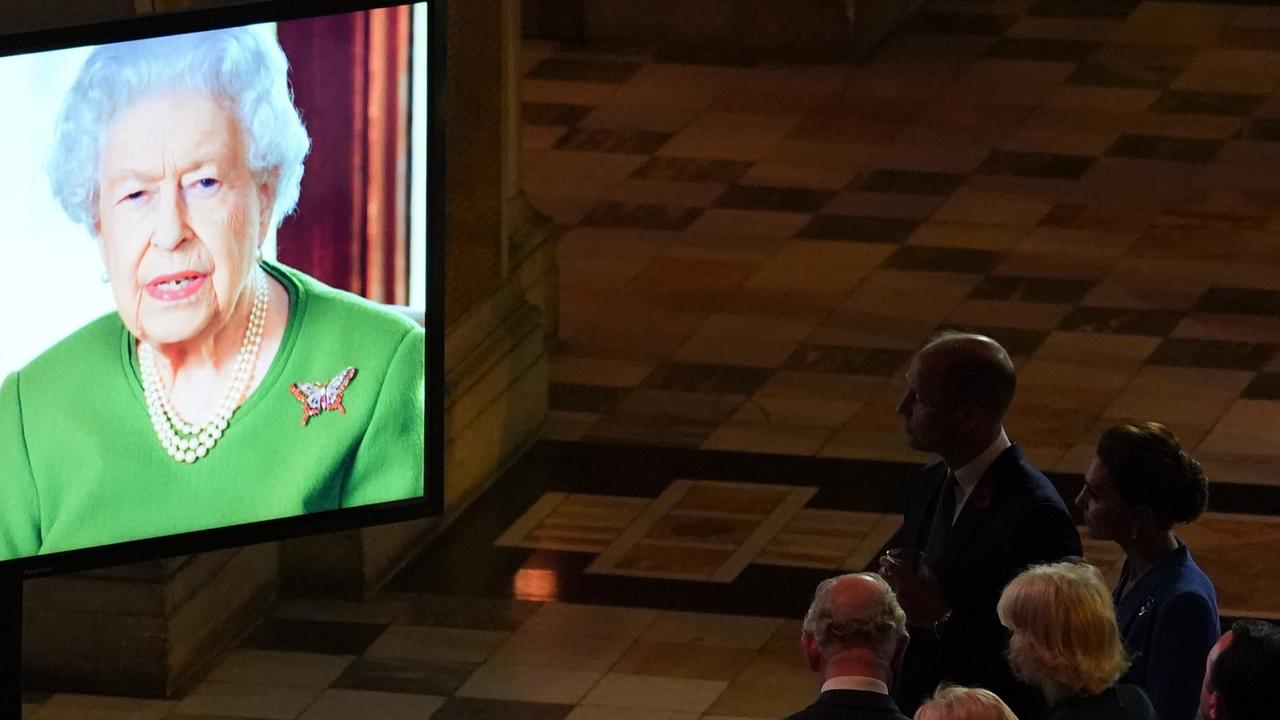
point(185, 442)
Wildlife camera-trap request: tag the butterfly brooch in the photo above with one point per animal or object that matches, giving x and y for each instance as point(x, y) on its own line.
point(318, 397)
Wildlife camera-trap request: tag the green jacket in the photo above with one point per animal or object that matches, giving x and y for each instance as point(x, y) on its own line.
point(81, 466)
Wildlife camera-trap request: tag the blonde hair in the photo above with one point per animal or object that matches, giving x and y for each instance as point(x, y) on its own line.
point(953, 702)
point(1065, 640)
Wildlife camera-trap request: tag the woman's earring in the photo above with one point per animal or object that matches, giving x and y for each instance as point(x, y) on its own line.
point(105, 278)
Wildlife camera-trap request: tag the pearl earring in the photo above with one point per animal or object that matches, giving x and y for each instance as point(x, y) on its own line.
point(105, 278)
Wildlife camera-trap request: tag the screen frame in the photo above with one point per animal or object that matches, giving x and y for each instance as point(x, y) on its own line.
point(431, 504)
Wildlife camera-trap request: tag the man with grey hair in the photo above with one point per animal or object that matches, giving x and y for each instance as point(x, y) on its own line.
point(973, 520)
point(854, 638)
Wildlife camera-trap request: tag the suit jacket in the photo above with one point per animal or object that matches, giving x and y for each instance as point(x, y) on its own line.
point(1169, 620)
point(1013, 518)
point(850, 705)
point(1118, 702)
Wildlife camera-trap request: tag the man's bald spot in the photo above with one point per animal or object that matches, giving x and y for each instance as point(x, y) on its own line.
point(971, 368)
point(855, 596)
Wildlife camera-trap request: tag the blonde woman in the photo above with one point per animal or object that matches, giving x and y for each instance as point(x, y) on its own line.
point(953, 702)
point(1064, 640)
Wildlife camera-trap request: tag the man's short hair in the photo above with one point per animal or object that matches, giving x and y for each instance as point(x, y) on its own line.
point(975, 369)
point(1245, 671)
point(878, 628)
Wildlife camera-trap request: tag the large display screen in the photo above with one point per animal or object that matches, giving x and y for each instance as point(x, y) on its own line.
point(220, 284)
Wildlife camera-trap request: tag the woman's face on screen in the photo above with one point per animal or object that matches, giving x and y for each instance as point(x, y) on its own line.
point(180, 216)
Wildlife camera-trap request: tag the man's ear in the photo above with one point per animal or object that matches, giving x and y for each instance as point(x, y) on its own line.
point(1214, 709)
point(811, 652)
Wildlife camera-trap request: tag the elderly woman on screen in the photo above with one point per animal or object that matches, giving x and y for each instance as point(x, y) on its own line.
point(225, 389)
point(1063, 639)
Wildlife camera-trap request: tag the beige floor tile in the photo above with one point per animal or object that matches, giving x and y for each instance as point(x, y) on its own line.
point(741, 326)
point(561, 172)
point(1120, 353)
point(752, 699)
point(1179, 394)
point(974, 236)
point(339, 704)
point(1180, 125)
point(598, 621)
point(559, 652)
point(267, 667)
point(975, 206)
point(740, 631)
point(1015, 82)
point(248, 701)
point(747, 247)
point(1225, 326)
point(1238, 553)
point(1175, 23)
point(703, 348)
point(729, 136)
point(72, 706)
point(820, 266)
point(540, 137)
point(767, 438)
point(1247, 428)
point(759, 223)
point(529, 684)
point(1248, 469)
point(435, 643)
point(683, 660)
point(909, 152)
point(565, 91)
point(1239, 71)
point(646, 692)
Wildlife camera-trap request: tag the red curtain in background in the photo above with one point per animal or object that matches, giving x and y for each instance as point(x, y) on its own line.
point(350, 76)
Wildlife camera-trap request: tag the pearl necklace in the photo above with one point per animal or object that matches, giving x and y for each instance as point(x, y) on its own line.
point(185, 442)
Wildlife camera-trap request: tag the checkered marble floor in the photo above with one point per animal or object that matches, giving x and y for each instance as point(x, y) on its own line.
point(750, 252)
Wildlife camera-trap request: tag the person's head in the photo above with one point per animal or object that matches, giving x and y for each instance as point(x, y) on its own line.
point(952, 702)
point(1239, 673)
point(180, 155)
point(959, 386)
point(1140, 481)
point(855, 620)
point(1063, 635)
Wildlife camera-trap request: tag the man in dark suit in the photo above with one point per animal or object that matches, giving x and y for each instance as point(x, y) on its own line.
point(854, 637)
point(980, 515)
point(1240, 673)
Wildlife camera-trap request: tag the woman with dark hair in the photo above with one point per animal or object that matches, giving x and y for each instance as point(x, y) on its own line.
point(1139, 485)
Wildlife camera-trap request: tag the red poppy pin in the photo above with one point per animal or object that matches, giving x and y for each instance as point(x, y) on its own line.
point(981, 497)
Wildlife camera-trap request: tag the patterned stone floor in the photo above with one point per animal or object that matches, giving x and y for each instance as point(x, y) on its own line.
point(749, 254)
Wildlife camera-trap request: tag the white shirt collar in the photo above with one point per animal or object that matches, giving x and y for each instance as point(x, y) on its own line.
point(855, 682)
point(967, 477)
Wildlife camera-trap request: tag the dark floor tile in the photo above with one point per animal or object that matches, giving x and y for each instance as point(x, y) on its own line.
point(1159, 147)
point(653, 430)
point(1086, 9)
point(1260, 130)
point(1133, 66)
point(1018, 342)
point(613, 140)
point(943, 259)
point(468, 613)
point(1240, 301)
point(691, 169)
point(702, 55)
point(946, 23)
point(910, 182)
point(1030, 289)
point(701, 378)
point(775, 199)
point(598, 71)
point(862, 229)
point(532, 113)
point(1035, 165)
point(463, 708)
point(1207, 103)
point(643, 216)
point(1121, 321)
point(847, 360)
point(1222, 354)
point(335, 638)
point(583, 398)
point(1117, 218)
point(1263, 386)
point(419, 677)
point(1044, 49)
